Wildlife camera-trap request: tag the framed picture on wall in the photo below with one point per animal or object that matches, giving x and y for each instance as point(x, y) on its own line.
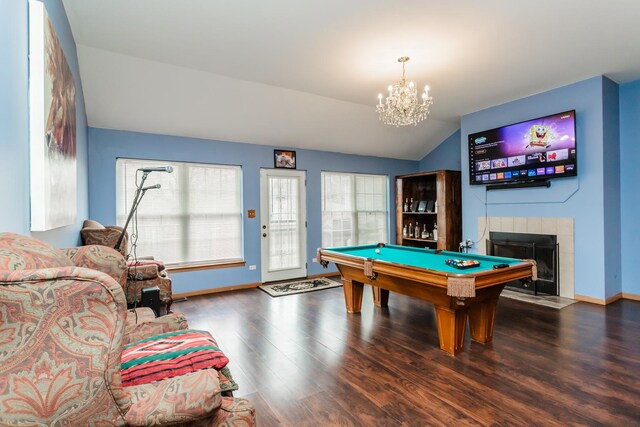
point(284, 159)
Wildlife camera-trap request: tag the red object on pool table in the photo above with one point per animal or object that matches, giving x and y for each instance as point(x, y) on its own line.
point(423, 273)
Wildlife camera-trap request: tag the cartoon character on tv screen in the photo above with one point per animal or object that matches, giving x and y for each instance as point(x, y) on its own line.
point(539, 136)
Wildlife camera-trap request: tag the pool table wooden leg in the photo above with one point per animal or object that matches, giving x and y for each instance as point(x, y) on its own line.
point(352, 295)
point(380, 296)
point(451, 328)
point(482, 319)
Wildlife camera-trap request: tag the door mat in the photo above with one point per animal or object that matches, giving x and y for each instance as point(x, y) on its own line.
point(546, 300)
point(298, 287)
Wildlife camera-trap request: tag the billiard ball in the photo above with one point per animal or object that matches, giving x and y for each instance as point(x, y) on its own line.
point(377, 251)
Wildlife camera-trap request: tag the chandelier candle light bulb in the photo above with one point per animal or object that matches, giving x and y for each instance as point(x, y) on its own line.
point(402, 106)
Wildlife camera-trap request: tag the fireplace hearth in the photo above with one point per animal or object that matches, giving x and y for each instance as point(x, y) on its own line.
point(542, 248)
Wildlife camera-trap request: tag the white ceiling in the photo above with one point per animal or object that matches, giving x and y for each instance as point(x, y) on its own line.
point(306, 74)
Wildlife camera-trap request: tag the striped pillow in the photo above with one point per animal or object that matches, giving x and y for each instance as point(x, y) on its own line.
point(170, 355)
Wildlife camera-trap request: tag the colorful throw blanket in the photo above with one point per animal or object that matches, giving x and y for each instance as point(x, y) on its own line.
point(170, 355)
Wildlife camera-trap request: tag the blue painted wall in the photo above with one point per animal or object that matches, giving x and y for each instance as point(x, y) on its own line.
point(105, 146)
point(580, 197)
point(14, 116)
point(611, 190)
point(445, 156)
point(605, 231)
point(630, 184)
point(617, 195)
point(14, 120)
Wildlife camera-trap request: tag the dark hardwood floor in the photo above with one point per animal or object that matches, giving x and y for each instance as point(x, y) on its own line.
point(303, 361)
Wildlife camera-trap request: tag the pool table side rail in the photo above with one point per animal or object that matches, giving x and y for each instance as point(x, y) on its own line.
point(482, 279)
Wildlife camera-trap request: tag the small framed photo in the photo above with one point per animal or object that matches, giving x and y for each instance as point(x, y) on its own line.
point(284, 159)
point(422, 207)
point(430, 206)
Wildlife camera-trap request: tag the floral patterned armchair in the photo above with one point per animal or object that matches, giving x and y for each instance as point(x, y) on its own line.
point(63, 324)
point(142, 274)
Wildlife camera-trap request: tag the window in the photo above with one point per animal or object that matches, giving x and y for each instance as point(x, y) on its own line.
point(195, 217)
point(354, 209)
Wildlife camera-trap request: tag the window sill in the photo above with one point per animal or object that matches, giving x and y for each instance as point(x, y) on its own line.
point(181, 268)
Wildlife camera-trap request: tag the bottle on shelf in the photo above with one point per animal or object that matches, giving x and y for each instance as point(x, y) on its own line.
point(405, 232)
point(410, 230)
point(435, 206)
point(416, 230)
point(405, 208)
point(410, 205)
point(435, 231)
point(425, 233)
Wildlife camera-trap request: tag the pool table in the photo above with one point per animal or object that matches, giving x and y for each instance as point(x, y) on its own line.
point(423, 273)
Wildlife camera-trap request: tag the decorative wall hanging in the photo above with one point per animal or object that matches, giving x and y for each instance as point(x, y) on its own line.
point(52, 117)
point(284, 159)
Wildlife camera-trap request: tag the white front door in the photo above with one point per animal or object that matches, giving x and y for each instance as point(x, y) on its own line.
point(283, 224)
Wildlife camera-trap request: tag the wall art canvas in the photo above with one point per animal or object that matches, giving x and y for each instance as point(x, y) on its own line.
point(52, 96)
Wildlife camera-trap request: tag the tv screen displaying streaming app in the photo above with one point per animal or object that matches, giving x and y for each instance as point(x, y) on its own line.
point(542, 148)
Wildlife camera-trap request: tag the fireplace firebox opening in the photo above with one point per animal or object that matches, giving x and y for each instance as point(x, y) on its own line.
point(543, 248)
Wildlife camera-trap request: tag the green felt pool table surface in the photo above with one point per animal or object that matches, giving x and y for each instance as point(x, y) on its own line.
point(424, 258)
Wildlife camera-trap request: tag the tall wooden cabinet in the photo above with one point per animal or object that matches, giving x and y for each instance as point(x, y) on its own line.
point(429, 199)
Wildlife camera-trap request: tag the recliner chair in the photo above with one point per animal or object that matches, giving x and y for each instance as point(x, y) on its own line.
point(142, 273)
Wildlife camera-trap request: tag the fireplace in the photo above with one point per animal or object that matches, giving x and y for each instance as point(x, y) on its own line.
point(562, 228)
point(543, 248)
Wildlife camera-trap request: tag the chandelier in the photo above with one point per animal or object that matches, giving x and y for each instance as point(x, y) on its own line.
point(402, 106)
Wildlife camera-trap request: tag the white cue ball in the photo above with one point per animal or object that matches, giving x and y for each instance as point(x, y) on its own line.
point(377, 251)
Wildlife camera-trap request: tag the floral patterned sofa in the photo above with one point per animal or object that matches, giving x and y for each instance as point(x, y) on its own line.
point(63, 324)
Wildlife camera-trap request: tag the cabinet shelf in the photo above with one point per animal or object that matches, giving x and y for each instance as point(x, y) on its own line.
point(420, 213)
point(413, 239)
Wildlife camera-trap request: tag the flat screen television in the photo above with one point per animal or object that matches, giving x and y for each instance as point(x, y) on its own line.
point(538, 149)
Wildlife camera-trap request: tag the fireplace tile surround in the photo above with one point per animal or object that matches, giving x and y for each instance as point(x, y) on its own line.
point(563, 228)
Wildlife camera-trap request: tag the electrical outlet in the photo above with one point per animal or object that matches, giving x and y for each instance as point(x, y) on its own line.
point(314, 259)
point(252, 267)
point(465, 245)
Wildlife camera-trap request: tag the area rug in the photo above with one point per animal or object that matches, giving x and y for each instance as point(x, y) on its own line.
point(298, 287)
point(546, 300)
